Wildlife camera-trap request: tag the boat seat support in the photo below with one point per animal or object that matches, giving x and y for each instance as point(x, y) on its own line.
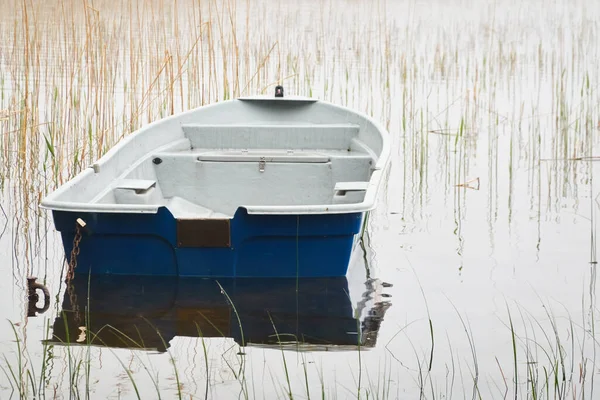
point(349, 192)
point(136, 191)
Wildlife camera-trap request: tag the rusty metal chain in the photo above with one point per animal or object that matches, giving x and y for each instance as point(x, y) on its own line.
point(74, 253)
point(79, 225)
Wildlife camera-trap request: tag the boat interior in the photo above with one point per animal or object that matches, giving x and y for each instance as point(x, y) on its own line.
point(214, 168)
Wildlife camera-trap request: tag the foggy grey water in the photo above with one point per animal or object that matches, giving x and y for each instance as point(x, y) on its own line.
point(489, 215)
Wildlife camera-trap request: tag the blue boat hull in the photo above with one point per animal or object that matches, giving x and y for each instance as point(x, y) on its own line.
point(258, 245)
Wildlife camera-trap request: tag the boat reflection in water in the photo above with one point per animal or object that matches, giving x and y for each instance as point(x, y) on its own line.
point(307, 314)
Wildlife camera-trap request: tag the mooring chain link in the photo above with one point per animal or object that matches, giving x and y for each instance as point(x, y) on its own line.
point(79, 225)
point(74, 253)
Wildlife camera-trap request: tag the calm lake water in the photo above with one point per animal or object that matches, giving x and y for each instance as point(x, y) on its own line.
point(481, 257)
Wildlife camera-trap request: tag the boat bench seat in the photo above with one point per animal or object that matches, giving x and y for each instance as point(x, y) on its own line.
point(223, 179)
point(279, 136)
point(346, 165)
